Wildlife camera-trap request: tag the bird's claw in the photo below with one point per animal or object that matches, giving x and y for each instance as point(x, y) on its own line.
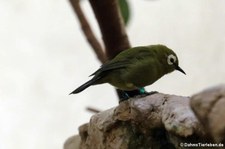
point(146, 94)
point(125, 96)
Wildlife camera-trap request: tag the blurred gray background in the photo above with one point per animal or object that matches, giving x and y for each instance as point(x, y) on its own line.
point(44, 56)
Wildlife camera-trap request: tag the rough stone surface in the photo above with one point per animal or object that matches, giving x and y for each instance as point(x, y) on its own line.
point(72, 142)
point(209, 107)
point(158, 121)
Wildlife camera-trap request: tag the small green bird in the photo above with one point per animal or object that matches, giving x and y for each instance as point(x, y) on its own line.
point(135, 68)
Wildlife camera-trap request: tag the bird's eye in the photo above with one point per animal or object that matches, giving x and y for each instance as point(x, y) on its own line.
point(171, 59)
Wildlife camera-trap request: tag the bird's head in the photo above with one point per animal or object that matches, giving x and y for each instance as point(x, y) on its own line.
point(169, 59)
point(173, 63)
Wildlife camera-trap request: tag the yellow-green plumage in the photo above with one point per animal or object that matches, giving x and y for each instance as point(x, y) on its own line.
point(135, 68)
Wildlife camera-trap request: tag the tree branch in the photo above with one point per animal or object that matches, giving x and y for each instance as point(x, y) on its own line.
point(94, 110)
point(88, 31)
point(111, 26)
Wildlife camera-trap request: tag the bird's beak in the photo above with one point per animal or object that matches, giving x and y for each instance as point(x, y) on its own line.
point(179, 69)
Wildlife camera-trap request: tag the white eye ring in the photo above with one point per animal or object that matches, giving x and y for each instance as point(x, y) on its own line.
point(171, 59)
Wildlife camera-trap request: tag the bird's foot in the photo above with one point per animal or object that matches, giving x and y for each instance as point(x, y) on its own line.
point(141, 92)
point(144, 93)
point(125, 95)
point(151, 93)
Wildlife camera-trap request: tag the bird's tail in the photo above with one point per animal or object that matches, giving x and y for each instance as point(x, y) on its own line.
point(85, 85)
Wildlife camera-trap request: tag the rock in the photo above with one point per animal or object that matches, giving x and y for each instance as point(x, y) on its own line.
point(209, 107)
point(158, 121)
point(73, 142)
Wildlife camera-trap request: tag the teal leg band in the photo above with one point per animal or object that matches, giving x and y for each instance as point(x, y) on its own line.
point(142, 90)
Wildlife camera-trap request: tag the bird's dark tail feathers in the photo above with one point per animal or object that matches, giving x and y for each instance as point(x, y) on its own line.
point(85, 85)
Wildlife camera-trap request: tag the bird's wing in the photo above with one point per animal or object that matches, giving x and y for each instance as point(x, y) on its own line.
point(124, 59)
point(112, 66)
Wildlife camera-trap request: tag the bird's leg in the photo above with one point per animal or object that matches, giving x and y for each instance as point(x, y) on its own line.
point(123, 95)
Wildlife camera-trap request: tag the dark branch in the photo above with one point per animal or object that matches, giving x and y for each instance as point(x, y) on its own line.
point(111, 26)
point(94, 110)
point(88, 31)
